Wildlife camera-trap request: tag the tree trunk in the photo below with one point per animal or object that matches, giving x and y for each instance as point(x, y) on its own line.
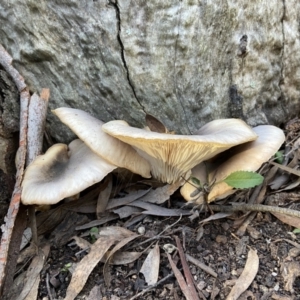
point(186, 62)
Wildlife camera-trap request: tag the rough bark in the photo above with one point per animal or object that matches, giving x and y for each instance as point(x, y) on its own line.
point(186, 62)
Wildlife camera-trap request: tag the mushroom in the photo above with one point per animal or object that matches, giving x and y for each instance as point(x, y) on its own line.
point(62, 172)
point(172, 156)
point(88, 129)
point(246, 157)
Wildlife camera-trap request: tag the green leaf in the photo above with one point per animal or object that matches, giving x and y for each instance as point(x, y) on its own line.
point(244, 179)
point(296, 230)
point(279, 157)
point(195, 181)
point(94, 230)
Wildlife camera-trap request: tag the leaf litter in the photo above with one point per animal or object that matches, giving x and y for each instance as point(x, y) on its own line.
point(195, 271)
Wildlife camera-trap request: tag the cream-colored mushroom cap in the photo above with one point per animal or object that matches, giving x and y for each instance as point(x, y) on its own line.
point(61, 173)
point(172, 156)
point(88, 129)
point(246, 157)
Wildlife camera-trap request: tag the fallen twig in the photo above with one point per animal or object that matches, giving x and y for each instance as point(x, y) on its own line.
point(256, 207)
point(186, 270)
point(201, 265)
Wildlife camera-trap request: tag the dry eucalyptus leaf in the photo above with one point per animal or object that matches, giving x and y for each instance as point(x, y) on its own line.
point(123, 258)
point(161, 194)
point(217, 216)
point(122, 242)
point(127, 211)
point(290, 220)
point(95, 293)
point(81, 243)
point(116, 202)
point(103, 196)
point(33, 273)
point(118, 233)
point(247, 276)
point(34, 290)
point(286, 169)
point(155, 125)
point(290, 271)
point(108, 217)
point(180, 279)
point(152, 209)
point(150, 267)
point(87, 264)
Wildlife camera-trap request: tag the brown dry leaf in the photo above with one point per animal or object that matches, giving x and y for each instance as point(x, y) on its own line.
point(108, 217)
point(95, 293)
point(33, 273)
point(217, 216)
point(161, 194)
point(247, 276)
point(155, 125)
point(150, 267)
point(123, 241)
point(180, 279)
point(103, 196)
point(293, 221)
point(116, 202)
point(87, 264)
point(122, 258)
point(34, 290)
point(289, 272)
point(286, 169)
point(127, 211)
point(81, 243)
point(152, 209)
point(118, 233)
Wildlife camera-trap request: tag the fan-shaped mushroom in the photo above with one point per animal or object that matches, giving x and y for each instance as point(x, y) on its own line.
point(88, 129)
point(246, 157)
point(62, 172)
point(172, 156)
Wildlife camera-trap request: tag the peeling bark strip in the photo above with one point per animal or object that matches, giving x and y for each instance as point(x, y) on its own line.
point(8, 227)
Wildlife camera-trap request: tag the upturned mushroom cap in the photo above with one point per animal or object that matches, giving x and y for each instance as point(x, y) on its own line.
point(88, 129)
point(246, 157)
point(61, 173)
point(173, 156)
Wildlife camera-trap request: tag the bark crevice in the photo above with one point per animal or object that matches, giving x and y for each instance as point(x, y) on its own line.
point(175, 74)
point(118, 15)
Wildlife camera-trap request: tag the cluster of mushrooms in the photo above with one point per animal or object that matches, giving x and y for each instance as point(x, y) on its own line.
point(218, 149)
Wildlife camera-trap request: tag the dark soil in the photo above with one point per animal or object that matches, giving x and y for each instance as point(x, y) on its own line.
point(214, 244)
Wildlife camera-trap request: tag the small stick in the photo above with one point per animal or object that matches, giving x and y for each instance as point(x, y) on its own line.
point(201, 265)
point(48, 287)
point(186, 270)
point(258, 208)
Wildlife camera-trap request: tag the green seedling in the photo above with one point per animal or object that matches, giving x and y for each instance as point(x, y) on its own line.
point(94, 231)
point(296, 230)
point(237, 180)
point(66, 267)
point(279, 157)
